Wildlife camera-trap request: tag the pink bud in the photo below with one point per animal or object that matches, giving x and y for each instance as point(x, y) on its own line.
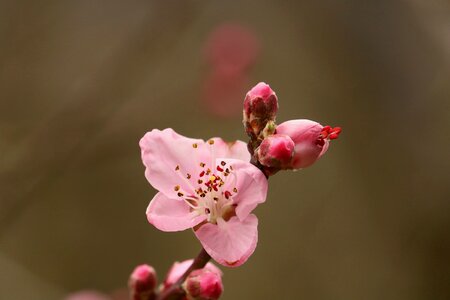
point(311, 140)
point(260, 106)
point(276, 151)
point(203, 285)
point(142, 282)
point(178, 269)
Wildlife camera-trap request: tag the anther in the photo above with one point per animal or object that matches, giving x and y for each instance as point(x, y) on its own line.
point(202, 164)
point(235, 190)
point(227, 194)
point(188, 176)
point(194, 145)
point(177, 168)
point(211, 142)
point(201, 174)
point(180, 194)
point(200, 181)
point(176, 188)
point(219, 169)
point(223, 163)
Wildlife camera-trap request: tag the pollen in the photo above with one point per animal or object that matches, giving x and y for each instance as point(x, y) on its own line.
point(212, 178)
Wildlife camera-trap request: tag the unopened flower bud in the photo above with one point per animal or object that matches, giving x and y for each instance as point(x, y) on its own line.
point(260, 107)
point(311, 140)
point(142, 283)
point(276, 151)
point(203, 284)
point(178, 269)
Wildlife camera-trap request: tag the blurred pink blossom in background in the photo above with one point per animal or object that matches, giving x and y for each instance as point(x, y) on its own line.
point(230, 50)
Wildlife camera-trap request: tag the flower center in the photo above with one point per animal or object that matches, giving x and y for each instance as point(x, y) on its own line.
point(211, 198)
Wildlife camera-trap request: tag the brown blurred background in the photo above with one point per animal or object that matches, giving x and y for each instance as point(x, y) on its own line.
point(82, 81)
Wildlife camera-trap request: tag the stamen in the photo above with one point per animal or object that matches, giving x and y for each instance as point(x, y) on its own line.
point(330, 133)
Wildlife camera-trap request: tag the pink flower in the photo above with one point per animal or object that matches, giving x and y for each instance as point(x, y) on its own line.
point(178, 269)
point(208, 186)
point(311, 140)
point(232, 48)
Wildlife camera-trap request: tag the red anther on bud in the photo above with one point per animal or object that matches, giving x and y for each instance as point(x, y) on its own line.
point(276, 151)
point(203, 284)
point(331, 133)
point(310, 138)
point(260, 107)
point(142, 283)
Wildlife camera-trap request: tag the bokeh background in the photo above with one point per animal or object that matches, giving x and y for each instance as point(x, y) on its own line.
point(82, 81)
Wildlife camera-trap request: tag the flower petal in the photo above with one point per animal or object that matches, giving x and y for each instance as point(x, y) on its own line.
point(230, 243)
point(237, 149)
point(170, 159)
point(251, 186)
point(171, 214)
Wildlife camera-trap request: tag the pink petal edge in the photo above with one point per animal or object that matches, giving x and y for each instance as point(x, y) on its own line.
point(230, 243)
